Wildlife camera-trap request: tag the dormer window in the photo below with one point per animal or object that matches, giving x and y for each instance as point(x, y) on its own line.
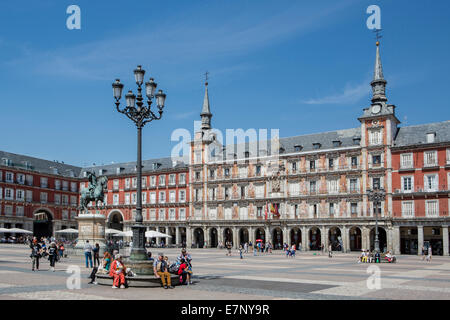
point(316, 146)
point(119, 170)
point(247, 154)
point(356, 141)
point(6, 162)
point(156, 165)
point(336, 143)
point(281, 150)
point(55, 170)
point(431, 137)
point(298, 148)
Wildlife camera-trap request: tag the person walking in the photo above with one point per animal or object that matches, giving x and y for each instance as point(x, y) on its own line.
point(52, 255)
point(96, 253)
point(88, 253)
point(330, 251)
point(430, 253)
point(228, 248)
point(241, 251)
point(61, 250)
point(35, 254)
point(160, 269)
point(423, 253)
point(246, 247)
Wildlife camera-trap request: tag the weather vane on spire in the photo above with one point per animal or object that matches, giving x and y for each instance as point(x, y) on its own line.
point(378, 36)
point(206, 77)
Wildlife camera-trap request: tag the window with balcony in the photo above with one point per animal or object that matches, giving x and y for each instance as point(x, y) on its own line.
point(333, 186)
point(432, 208)
point(9, 177)
point(172, 179)
point(116, 199)
point(312, 186)
point(65, 186)
point(172, 196)
point(331, 164)
point(28, 195)
point(227, 193)
point(162, 180)
point(406, 160)
point(162, 197)
point(127, 183)
point(182, 214)
point(19, 211)
point(43, 197)
point(212, 174)
point(73, 186)
point(375, 137)
point(182, 178)
point(144, 182)
point(431, 182)
point(258, 171)
point(407, 183)
point(312, 165)
point(294, 166)
point(20, 196)
point(376, 160)
point(127, 198)
point(354, 162)
point(354, 185)
point(152, 197)
point(182, 196)
point(133, 198)
point(162, 214)
point(227, 172)
point(153, 181)
point(332, 209)
point(116, 184)
point(243, 172)
point(57, 184)
point(9, 194)
point(376, 183)
point(354, 208)
point(29, 179)
point(171, 214)
point(430, 158)
point(243, 192)
point(134, 183)
point(20, 178)
point(197, 176)
point(407, 209)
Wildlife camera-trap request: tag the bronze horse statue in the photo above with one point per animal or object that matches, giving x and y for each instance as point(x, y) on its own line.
point(94, 193)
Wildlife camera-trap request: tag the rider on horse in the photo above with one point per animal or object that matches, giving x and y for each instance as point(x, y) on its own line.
point(92, 178)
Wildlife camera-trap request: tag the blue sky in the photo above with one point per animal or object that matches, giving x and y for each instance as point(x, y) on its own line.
point(300, 66)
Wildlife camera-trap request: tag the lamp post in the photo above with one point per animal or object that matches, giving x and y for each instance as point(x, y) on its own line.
point(376, 196)
point(140, 114)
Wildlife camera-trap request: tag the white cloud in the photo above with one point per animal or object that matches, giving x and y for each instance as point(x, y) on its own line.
point(350, 94)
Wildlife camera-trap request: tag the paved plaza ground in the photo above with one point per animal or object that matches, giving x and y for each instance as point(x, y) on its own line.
point(217, 276)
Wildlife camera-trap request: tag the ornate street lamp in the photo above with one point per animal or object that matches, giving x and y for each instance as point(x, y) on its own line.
point(140, 114)
point(376, 196)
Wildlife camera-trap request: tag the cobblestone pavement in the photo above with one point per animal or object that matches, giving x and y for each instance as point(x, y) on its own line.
point(217, 276)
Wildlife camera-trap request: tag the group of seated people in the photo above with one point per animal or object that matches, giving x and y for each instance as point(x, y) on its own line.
point(368, 256)
point(161, 268)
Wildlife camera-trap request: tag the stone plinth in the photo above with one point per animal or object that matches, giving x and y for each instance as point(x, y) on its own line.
point(91, 226)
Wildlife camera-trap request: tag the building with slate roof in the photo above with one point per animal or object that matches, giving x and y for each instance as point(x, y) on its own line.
point(312, 190)
point(37, 194)
point(309, 190)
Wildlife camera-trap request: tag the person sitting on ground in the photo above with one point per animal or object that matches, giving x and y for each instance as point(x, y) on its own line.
point(118, 271)
point(106, 262)
point(390, 257)
point(161, 270)
point(184, 272)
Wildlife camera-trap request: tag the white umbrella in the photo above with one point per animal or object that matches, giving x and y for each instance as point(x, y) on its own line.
point(112, 231)
point(156, 234)
point(4, 230)
point(18, 230)
point(128, 233)
point(70, 230)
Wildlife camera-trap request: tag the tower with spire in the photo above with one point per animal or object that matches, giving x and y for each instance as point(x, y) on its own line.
point(206, 114)
point(378, 83)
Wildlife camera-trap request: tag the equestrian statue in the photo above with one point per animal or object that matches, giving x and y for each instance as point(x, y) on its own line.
point(94, 192)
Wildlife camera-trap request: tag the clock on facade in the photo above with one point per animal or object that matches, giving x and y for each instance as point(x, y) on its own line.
point(376, 108)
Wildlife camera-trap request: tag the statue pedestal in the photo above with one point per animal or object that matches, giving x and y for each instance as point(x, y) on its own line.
point(91, 226)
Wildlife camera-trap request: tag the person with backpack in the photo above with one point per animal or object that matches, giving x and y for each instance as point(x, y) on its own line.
point(52, 255)
point(184, 273)
point(35, 254)
point(161, 270)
